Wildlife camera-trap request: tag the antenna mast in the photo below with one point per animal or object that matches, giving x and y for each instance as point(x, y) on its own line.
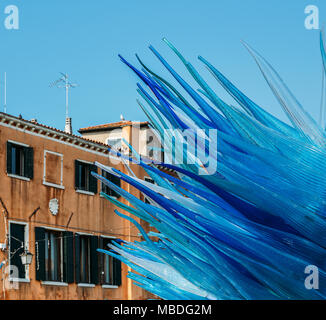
point(5, 94)
point(63, 82)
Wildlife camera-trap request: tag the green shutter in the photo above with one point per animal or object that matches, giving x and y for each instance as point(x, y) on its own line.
point(40, 253)
point(68, 257)
point(94, 260)
point(92, 180)
point(77, 258)
point(116, 272)
point(29, 163)
point(17, 238)
point(9, 158)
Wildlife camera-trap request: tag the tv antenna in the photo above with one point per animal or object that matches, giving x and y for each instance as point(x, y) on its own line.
point(64, 82)
point(4, 93)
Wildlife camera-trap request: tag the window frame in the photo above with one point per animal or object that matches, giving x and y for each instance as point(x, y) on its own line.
point(68, 256)
point(48, 269)
point(93, 265)
point(26, 247)
point(24, 176)
point(77, 186)
point(103, 284)
point(105, 188)
point(86, 279)
point(49, 184)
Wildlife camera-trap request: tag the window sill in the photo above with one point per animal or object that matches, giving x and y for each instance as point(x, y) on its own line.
point(86, 285)
point(53, 283)
point(18, 177)
point(19, 280)
point(108, 286)
point(85, 192)
point(53, 185)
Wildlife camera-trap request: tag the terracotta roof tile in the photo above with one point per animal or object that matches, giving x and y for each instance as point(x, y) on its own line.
point(60, 132)
point(111, 126)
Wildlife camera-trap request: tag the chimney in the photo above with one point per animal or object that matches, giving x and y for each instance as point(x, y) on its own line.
point(68, 126)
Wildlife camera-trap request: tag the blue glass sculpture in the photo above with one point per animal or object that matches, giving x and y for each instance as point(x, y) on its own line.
point(247, 230)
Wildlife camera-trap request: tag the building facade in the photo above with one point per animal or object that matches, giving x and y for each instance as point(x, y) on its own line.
point(51, 207)
point(138, 134)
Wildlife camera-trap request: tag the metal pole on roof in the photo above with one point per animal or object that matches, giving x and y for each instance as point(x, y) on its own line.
point(5, 94)
point(63, 82)
point(67, 97)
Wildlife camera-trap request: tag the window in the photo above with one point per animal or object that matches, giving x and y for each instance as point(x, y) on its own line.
point(54, 264)
point(53, 169)
point(86, 259)
point(84, 180)
point(150, 180)
point(54, 255)
point(18, 234)
point(20, 160)
point(110, 267)
point(105, 189)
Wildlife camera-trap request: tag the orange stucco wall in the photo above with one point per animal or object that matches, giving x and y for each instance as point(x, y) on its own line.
point(91, 214)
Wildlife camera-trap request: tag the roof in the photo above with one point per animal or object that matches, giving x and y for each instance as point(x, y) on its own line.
point(111, 126)
point(54, 133)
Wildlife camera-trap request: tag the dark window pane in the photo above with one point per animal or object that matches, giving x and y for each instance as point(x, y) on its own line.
point(53, 256)
point(113, 179)
point(17, 159)
point(17, 240)
point(83, 176)
point(85, 259)
point(20, 160)
point(109, 271)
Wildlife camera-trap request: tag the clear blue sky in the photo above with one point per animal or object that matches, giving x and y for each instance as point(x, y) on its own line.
point(83, 38)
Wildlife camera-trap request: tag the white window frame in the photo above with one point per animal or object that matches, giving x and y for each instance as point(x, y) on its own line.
point(49, 184)
point(19, 143)
point(26, 241)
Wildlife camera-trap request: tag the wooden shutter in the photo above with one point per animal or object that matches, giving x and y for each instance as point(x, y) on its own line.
point(29, 162)
point(116, 272)
point(92, 180)
point(9, 158)
point(94, 260)
point(77, 258)
point(17, 237)
point(40, 253)
point(68, 257)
